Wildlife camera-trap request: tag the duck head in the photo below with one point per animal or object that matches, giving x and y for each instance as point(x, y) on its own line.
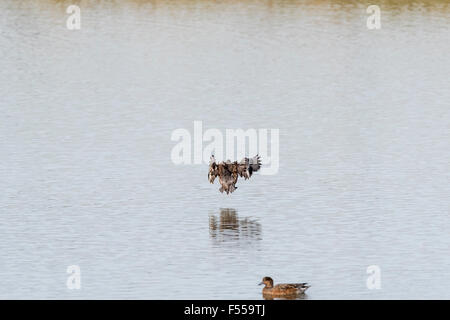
point(267, 281)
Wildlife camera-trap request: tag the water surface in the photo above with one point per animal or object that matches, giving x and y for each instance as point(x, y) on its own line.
point(86, 176)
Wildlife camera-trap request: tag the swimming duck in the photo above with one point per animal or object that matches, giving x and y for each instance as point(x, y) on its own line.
point(283, 289)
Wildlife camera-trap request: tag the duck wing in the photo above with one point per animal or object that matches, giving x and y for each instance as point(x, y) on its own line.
point(247, 166)
point(299, 287)
point(213, 170)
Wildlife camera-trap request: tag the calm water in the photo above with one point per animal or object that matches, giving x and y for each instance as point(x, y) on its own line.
point(86, 176)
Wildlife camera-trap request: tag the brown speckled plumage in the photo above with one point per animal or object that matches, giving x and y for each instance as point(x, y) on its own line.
point(283, 289)
point(228, 172)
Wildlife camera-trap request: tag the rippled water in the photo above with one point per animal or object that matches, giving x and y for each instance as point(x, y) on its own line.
point(86, 176)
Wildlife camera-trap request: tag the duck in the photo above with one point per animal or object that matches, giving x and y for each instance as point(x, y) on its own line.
point(282, 289)
point(228, 172)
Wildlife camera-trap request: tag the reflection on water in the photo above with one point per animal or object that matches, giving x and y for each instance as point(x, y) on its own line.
point(302, 296)
point(228, 227)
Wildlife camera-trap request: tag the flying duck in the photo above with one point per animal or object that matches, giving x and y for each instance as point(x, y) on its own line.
point(228, 172)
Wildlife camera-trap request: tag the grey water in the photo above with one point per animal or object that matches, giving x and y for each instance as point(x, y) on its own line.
point(86, 175)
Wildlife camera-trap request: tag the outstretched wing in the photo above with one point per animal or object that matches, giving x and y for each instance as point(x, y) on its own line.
point(249, 165)
point(213, 170)
point(254, 165)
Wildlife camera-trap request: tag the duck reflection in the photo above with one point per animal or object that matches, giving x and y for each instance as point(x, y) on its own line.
point(229, 227)
point(301, 296)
